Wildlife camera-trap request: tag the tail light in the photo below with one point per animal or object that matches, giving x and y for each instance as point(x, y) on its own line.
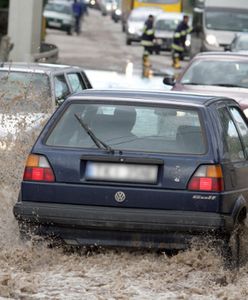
point(208, 178)
point(38, 169)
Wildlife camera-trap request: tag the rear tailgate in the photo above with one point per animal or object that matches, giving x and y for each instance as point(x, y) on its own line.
point(168, 191)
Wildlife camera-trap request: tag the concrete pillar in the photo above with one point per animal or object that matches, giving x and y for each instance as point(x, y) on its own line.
point(24, 28)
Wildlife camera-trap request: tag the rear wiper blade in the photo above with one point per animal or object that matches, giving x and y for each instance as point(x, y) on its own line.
point(100, 144)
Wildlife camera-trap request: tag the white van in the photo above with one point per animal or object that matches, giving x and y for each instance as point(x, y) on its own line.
point(216, 24)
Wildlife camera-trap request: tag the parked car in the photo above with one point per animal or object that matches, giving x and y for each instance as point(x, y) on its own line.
point(136, 21)
point(58, 81)
point(100, 174)
point(31, 90)
point(59, 15)
point(239, 43)
point(165, 26)
point(116, 11)
point(215, 73)
point(106, 7)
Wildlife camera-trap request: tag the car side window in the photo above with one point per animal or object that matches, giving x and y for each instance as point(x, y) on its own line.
point(242, 126)
point(233, 149)
point(61, 87)
point(76, 82)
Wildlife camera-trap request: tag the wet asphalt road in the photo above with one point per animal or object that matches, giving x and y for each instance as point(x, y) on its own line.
point(101, 45)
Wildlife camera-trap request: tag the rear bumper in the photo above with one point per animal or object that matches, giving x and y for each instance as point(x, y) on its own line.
point(111, 226)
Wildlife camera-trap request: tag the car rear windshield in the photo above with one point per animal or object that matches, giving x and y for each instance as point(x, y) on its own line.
point(135, 128)
point(26, 91)
point(167, 25)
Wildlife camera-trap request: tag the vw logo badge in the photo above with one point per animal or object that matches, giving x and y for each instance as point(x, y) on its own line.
point(120, 197)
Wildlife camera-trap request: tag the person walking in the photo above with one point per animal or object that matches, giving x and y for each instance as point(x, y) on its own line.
point(179, 38)
point(147, 42)
point(77, 10)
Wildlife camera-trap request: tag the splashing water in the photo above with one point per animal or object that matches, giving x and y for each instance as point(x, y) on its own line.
point(35, 271)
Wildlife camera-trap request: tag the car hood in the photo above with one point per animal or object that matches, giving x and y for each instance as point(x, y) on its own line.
point(238, 94)
point(137, 26)
point(223, 37)
point(56, 15)
point(163, 34)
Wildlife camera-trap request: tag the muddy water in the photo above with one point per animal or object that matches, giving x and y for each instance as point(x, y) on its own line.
point(35, 271)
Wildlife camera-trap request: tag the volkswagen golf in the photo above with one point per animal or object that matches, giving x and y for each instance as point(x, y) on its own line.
point(139, 169)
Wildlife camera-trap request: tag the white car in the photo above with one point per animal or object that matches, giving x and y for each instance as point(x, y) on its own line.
point(59, 15)
point(136, 22)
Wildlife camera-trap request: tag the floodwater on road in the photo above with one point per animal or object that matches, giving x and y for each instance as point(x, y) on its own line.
point(33, 270)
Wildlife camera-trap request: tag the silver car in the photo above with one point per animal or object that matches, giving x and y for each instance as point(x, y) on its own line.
point(29, 93)
point(165, 26)
point(136, 21)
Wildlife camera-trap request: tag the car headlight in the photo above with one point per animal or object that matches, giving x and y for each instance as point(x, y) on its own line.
point(131, 30)
point(211, 40)
point(187, 43)
point(246, 112)
point(118, 12)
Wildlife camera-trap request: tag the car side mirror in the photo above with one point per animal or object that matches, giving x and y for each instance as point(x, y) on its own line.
point(169, 80)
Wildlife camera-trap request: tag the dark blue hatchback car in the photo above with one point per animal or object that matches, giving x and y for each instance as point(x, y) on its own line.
point(146, 169)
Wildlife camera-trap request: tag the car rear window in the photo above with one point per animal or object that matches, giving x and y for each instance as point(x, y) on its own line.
point(25, 91)
point(137, 128)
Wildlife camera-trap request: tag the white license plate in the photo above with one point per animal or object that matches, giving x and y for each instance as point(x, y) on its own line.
point(54, 24)
point(121, 172)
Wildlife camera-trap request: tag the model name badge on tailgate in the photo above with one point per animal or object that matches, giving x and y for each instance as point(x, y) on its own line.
point(121, 172)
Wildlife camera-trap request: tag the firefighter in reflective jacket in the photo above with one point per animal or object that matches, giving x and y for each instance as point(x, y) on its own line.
point(147, 42)
point(179, 39)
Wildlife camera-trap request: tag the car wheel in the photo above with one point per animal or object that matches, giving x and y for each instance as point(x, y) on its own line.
point(233, 247)
point(69, 31)
point(157, 52)
point(128, 42)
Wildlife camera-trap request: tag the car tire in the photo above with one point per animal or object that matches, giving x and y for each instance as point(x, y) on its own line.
point(128, 42)
point(233, 247)
point(69, 31)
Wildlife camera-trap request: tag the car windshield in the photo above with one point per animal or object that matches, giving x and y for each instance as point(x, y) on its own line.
point(167, 25)
point(26, 91)
point(60, 8)
point(230, 20)
point(122, 127)
point(217, 72)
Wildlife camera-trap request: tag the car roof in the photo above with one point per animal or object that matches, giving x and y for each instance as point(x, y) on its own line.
point(35, 67)
point(225, 55)
point(159, 97)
